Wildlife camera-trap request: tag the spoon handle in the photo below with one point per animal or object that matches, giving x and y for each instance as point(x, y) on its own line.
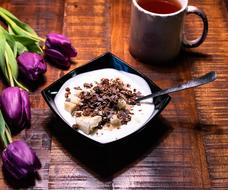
point(209, 77)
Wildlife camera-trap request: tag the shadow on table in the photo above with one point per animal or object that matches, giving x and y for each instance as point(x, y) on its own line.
point(33, 85)
point(209, 129)
point(27, 182)
point(106, 162)
point(185, 59)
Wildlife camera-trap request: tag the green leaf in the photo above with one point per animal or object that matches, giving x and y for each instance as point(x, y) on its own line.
point(11, 60)
point(8, 70)
point(10, 40)
point(18, 31)
point(2, 49)
point(10, 30)
point(2, 56)
point(8, 62)
point(20, 48)
point(29, 43)
point(11, 68)
point(5, 134)
point(15, 46)
point(23, 39)
point(17, 26)
point(20, 42)
point(19, 23)
point(35, 48)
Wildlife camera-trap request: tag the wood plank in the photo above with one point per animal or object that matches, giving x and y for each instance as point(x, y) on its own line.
point(180, 114)
point(212, 101)
point(87, 24)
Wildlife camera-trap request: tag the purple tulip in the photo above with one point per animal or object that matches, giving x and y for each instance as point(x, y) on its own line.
point(32, 65)
point(15, 107)
point(19, 160)
point(58, 49)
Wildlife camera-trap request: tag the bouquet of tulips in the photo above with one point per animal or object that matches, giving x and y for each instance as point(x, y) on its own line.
point(21, 53)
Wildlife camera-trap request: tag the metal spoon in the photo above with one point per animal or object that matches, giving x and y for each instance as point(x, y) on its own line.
point(209, 77)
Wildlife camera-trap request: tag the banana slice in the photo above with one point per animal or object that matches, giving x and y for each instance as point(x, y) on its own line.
point(71, 103)
point(77, 92)
point(121, 104)
point(69, 106)
point(74, 99)
point(88, 124)
point(115, 121)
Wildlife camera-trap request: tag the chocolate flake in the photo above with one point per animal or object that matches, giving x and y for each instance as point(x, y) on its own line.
point(87, 85)
point(67, 89)
point(77, 88)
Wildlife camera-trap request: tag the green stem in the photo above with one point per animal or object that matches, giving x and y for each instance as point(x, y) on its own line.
point(20, 85)
point(8, 134)
point(42, 39)
point(41, 50)
point(9, 71)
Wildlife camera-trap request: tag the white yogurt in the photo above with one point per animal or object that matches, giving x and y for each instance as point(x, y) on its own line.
point(141, 114)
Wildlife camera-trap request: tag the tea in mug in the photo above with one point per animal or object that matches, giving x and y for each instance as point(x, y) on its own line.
point(160, 6)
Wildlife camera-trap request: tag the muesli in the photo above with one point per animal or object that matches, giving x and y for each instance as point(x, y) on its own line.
point(106, 103)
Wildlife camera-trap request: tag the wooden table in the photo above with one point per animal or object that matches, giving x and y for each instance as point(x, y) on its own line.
point(186, 148)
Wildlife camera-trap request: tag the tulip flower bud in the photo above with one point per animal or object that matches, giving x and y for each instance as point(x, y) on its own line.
point(32, 65)
point(58, 49)
point(19, 160)
point(15, 107)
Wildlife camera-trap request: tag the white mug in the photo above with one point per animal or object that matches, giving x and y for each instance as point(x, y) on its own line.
point(159, 37)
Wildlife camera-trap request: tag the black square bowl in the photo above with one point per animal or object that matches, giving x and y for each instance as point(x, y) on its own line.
point(107, 60)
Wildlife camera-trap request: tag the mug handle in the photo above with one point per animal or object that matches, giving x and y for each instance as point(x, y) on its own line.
point(195, 43)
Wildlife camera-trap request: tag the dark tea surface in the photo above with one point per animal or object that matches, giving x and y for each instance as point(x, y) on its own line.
point(160, 6)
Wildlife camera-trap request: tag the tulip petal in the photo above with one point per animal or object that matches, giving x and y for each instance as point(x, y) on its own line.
point(26, 107)
point(57, 58)
point(11, 103)
point(15, 108)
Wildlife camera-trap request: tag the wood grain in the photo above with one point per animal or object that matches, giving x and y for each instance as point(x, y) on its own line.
point(185, 148)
